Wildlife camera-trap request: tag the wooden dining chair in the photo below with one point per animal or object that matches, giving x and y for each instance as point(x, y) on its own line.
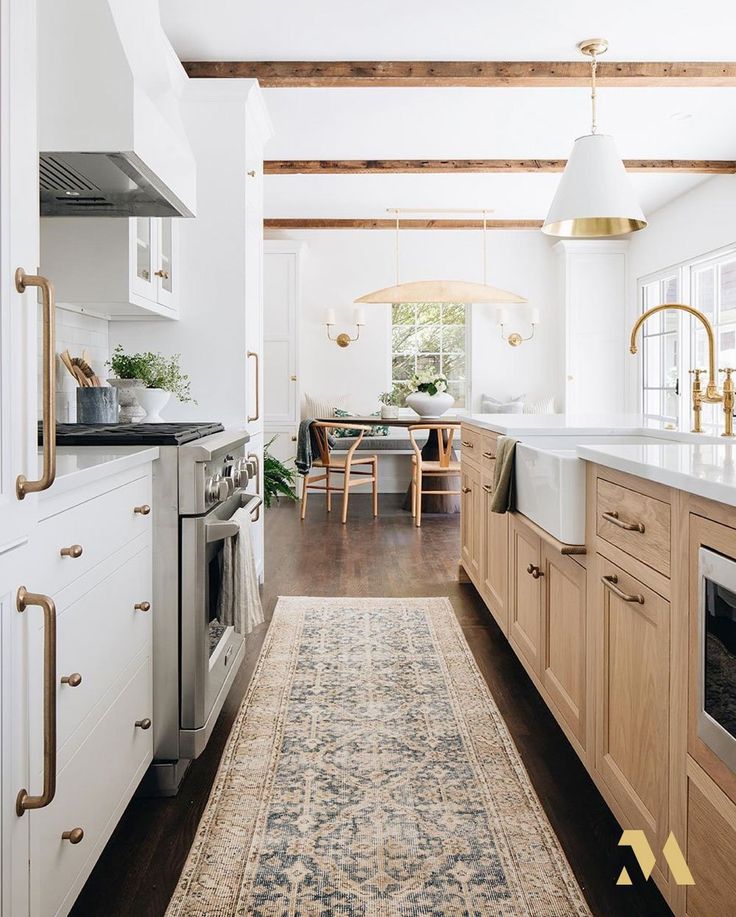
point(444, 466)
point(341, 465)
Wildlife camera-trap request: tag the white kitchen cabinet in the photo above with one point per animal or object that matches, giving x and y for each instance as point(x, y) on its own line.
point(281, 311)
point(125, 269)
point(101, 635)
point(593, 293)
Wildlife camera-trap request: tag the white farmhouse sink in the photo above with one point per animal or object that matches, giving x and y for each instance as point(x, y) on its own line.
point(550, 481)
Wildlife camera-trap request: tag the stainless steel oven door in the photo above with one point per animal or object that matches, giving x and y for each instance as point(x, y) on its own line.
point(717, 654)
point(211, 653)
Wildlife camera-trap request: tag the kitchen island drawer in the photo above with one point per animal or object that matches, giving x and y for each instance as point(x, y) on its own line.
point(638, 524)
point(471, 443)
point(99, 632)
point(91, 793)
point(99, 526)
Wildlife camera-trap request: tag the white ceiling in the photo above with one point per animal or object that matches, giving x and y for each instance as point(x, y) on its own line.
point(462, 122)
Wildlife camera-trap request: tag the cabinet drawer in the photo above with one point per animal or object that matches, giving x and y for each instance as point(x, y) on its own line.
point(635, 523)
point(471, 442)
point(711, 849)
point(488, 452)
point(100, 526)
point(91, 793)
point(99, 633)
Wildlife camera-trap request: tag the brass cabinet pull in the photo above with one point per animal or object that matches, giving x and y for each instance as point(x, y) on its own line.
point(74, 680)
point(488, 489)
point(143, 724)
point(142, 510)
point(534, 570)
point(610, 583)
point(293, 378)
point(612, 516)
point(488, 455)
point(22, 485)
point(74, 550)
point(252, 173)
point(253, 457)
point(254, 355)
point(466, 444)
point(164, 275)
point(293, 439)
point(467, 490)
point(24, 800)
point(74, 836)
point(142, 606)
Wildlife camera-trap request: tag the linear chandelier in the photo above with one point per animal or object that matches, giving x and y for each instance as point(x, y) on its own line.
point(455, 291)
point(594, 198)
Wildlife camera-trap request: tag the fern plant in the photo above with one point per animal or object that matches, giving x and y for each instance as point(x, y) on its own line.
point(278, 479)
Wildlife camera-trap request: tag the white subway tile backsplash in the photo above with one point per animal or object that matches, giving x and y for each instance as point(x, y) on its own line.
point(75, 332)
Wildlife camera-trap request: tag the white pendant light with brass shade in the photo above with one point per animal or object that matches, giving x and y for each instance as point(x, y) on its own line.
point(594, 199)
point(452, 291)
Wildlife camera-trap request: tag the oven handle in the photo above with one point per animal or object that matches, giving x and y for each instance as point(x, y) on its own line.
point(226, 528)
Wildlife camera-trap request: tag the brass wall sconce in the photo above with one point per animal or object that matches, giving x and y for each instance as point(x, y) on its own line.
point(514, 339)
point(343, 339)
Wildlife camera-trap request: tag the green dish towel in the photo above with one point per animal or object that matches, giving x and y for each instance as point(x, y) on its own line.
point(502, 500)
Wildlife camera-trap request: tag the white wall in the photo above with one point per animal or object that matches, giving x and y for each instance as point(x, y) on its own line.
point(340, 265)
point(695, 224)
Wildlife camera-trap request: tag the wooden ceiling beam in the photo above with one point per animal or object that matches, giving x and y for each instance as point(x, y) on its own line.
point(461, 166)
point(541, 74)
point(300, 223)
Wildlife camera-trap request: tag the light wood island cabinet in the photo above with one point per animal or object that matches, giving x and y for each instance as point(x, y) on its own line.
point(609, 638)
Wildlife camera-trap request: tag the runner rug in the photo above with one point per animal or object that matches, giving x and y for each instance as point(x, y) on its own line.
point(369, 772)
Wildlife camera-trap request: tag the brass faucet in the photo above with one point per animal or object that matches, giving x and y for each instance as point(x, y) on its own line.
point(711, 395)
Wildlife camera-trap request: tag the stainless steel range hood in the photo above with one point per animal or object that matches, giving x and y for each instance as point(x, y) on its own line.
point(111, 138)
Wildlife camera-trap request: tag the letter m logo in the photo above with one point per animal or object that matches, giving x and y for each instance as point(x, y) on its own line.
point(645, 858)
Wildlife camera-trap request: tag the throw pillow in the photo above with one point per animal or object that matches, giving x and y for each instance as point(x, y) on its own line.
point(316, 406)
point(491, 405)
point(543, 406)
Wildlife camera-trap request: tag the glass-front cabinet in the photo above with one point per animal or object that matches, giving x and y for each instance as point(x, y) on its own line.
point(153, 249)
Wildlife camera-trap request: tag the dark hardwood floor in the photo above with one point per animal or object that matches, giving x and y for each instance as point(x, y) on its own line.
point(139, 868)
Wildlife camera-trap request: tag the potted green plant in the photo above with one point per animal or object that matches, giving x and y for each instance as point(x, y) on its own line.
point(151, 378)
point(429, 396)
point(391, 401)
point(278, 479)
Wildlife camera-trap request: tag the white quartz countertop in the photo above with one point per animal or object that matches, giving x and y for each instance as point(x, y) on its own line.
point(523, 426)
point(80, 465)
point(706, 469)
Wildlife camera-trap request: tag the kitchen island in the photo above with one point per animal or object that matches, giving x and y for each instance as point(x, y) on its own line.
point(608, 629)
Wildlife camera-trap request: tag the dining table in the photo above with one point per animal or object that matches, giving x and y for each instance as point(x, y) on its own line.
point(431, 503)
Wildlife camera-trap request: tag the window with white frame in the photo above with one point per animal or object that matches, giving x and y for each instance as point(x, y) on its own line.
point(431, 336)
point(674, 343)
point(661, 347)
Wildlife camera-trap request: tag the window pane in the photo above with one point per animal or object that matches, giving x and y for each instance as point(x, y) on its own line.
point(453, 314)
point(404, 339)
point(457, 390)
point(427, 362)
point(402, 313)
point(652, 363)
point(428, 313)
point(727, 312)
point(727, 346)
point(705, 290)
point(453, 365)
point(670, 290)
point(453, 338)
point(429, 338)
point(402, 367)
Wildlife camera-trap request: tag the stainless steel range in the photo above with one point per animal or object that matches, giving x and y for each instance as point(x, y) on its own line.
point(202, 478)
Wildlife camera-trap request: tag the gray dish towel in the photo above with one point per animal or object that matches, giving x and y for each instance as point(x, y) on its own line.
point(307, 447)
point(503, 500)
point(240, 600)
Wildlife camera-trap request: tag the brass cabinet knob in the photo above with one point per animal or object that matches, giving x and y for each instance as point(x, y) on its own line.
point(534, 570)
point(142, 510)
point(466, 490)
point(164, 275)
point(74, 680)
point(142, 606)
point(293, 378)
point(143, 724)
point(74, 836)
point(74, 550)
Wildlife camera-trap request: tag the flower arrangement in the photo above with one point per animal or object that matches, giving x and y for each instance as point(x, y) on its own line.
point(397, 395)
point(429, 382)
point(154, 370)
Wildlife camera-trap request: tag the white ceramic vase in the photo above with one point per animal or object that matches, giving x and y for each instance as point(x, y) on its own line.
point(128, 390)
point(153, 401)
point(427, 405)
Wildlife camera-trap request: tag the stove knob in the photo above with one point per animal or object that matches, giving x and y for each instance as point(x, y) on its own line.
point(241, 472)
point(225, 488)
point(212, 488)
